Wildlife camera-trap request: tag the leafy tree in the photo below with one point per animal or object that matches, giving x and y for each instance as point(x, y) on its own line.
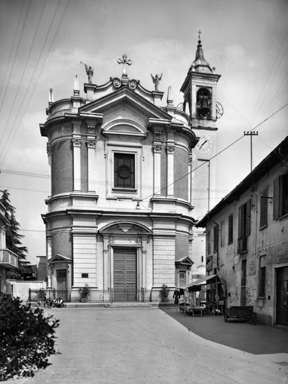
point(13, 237)
point(27, 338)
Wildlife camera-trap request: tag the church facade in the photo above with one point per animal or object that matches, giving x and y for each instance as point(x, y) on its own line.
point(120, 213)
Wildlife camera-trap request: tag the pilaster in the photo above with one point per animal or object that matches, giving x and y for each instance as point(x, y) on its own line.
point(170, 149)
point(157, 149)
point(76, 142)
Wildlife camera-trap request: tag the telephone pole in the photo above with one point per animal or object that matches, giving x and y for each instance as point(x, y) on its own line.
point(251, 134)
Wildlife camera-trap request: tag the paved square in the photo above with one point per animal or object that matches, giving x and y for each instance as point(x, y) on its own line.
point(146, 345)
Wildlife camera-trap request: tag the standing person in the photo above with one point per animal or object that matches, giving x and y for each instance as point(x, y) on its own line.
point(176, 295)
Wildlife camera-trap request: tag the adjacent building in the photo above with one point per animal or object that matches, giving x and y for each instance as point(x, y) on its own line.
point(247, 240)
point(8, 259)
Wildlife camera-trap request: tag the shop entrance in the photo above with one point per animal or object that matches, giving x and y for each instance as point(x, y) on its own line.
point(282, 296)
point(125, 274)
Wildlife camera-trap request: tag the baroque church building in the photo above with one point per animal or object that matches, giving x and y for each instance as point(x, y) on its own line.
point(120, 210)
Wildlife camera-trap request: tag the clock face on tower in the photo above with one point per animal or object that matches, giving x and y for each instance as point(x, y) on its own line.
point(205, 143)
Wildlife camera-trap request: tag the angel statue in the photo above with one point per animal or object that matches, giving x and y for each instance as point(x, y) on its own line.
point(89, 71)
point(156, 80)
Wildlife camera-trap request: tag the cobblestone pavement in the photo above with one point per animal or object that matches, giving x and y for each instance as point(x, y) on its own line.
point(150, 345)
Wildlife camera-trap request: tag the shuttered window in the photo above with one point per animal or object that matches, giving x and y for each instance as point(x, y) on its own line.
point(244, 226)
point(230, 229)
point(264, 208)
point(222, 233)
point(209, 242)
point(216, 230)
point(280, 196)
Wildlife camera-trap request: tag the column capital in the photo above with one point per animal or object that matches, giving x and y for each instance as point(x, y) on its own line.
point(170, 149)
point(91, 143)
point(76, 142)
point(157, 148)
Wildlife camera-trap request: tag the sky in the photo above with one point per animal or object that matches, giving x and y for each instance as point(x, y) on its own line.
point(43, 42)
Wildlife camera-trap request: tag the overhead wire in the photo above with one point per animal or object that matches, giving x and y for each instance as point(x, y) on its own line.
point(218, 153)
point(268, 82)
point(28, 174)
point(4, 154)
point(9, 59)
point(20, 83)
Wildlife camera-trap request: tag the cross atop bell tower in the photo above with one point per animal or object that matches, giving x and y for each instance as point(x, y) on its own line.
point(199, 90)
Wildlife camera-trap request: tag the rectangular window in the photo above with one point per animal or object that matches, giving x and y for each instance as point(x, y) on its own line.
point(262, 276)
point(215, 249)
point(244, 226)
point(124, 171)
point(280, 197)
point(182, 278)
point(264, 208)
point(222, 233)
point(85, 275)
point(230, 229)
point(209, 242)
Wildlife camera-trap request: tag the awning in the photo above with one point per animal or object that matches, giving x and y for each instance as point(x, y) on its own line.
point(204, 281)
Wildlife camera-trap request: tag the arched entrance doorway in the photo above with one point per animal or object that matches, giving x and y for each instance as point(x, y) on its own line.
point(125, 261)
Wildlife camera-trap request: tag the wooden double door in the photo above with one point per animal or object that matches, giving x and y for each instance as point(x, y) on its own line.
point(125, 274)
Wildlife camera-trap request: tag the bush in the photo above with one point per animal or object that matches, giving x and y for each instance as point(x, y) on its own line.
point(84, 292)
point(164, 293)
point(26, 338)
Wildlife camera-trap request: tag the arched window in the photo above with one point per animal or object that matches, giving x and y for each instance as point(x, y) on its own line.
point(204, 103)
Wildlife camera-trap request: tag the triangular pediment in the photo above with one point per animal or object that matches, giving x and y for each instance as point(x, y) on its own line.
point(59, 259)
point(125, 102)
point(184, 261)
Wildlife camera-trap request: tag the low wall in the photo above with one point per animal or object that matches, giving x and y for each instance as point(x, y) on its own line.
point(21, 288)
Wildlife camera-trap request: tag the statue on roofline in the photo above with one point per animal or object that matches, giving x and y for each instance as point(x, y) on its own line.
point(89, 71)
point(156, 80)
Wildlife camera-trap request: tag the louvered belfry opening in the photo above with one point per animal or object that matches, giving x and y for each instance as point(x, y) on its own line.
point(125, 274)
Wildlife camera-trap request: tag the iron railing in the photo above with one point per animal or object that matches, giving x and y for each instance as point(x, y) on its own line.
point(95, 296)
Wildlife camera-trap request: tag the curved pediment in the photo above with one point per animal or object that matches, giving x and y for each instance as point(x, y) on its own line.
point(125, 227)
point(124, 125)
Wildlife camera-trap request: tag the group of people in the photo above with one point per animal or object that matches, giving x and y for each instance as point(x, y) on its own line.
point(48, 302)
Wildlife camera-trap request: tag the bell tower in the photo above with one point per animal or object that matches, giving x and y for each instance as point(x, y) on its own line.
point(199, 90)
point(200, 103)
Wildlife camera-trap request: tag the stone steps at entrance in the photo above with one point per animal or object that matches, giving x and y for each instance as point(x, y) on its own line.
point(111, 305)
point(116, 305)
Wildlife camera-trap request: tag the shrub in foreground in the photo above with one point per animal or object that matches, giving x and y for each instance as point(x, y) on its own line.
point(27, 338)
